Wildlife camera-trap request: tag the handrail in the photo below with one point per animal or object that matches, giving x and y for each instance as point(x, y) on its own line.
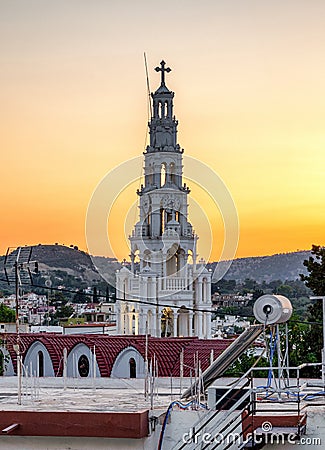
point(224, 417)
point(215, 414)
point(215, 420)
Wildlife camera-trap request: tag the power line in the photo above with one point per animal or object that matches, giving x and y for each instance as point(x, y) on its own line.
point(144, 302)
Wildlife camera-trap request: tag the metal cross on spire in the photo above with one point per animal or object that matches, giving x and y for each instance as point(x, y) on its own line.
point(162, 69)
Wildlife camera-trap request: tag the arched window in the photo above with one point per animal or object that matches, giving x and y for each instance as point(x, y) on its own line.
point(172, 172)
point(163, 174)
point(162, 225)
point(147, 257)
point(40, 358)
point(133, 368)
point(167, 322)
point(150, 174)
point(204, 290)
point(83, 366)
point(125, 289)
point(136, 256)
point(171, 262)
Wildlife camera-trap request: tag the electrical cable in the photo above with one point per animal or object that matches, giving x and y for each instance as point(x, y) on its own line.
point(155, 304)
point(169, 409)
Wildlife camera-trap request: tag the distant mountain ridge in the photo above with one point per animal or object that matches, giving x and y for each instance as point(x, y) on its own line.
point(283, 266)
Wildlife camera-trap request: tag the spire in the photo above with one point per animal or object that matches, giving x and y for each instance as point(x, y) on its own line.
point(163, 124)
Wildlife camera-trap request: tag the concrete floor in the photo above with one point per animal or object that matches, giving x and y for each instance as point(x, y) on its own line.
point(84, 394)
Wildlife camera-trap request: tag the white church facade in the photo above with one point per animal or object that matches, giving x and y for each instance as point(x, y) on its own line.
point(164, 292)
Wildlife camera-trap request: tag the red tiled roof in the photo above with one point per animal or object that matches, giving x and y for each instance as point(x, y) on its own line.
point(166, 350)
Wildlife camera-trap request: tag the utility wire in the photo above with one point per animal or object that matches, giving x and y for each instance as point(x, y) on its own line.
point(165, 305)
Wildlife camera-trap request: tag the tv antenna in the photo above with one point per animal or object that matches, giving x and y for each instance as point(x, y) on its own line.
point(17, 267)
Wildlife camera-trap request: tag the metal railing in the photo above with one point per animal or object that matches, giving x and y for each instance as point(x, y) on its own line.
point(239, 418)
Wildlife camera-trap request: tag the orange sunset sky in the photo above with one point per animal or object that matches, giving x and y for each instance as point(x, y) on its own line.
point(249, 86)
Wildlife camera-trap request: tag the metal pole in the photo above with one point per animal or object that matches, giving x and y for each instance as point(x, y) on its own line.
point(153, 379)
point(48, 283)
point(323, 351)
point(279, 354)
point(17, 267)
point(17, 331)
point(65, 360)
point(94, 363)
point(158, 319)
point(199, 384)
point(146, 364)
point(157, 384)
point(181, 371)
point(321, 297)
point(94, 369)
point(48, 308)
point(287, 362)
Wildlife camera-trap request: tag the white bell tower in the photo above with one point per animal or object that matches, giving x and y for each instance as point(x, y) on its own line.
point(163, 255)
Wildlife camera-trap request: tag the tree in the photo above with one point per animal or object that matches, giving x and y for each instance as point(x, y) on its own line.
point(224, 286)
point(284, 289)
point(80, 297)
point(300, 348)
point(7, 314)
point(244, 362)
point(257, 294)
point(95, 296)
point(249, 285)
point(315, 280)
point(64, 312)
point(58, 299)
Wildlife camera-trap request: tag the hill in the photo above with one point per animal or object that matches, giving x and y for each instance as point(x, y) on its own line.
point(80, 267)
point(282, 266)
point(68, 266)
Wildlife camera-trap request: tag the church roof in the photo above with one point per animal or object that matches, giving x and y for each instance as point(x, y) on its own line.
point(163, 89)
point(166, 350)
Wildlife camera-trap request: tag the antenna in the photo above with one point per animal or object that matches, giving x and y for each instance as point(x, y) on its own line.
point(17, 270)
point(148, 84)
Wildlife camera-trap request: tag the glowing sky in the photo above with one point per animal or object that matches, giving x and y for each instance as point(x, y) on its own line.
point(249, 90)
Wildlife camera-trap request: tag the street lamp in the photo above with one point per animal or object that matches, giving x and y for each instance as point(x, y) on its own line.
point(321, 297)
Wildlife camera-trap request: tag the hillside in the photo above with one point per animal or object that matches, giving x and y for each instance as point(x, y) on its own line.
point(77, 264)
point(282, 266)
point(80, 266)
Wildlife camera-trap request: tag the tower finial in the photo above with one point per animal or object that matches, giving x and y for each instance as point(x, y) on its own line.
point(162, 69)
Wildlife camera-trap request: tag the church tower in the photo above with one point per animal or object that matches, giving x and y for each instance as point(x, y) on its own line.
point(170, 292)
